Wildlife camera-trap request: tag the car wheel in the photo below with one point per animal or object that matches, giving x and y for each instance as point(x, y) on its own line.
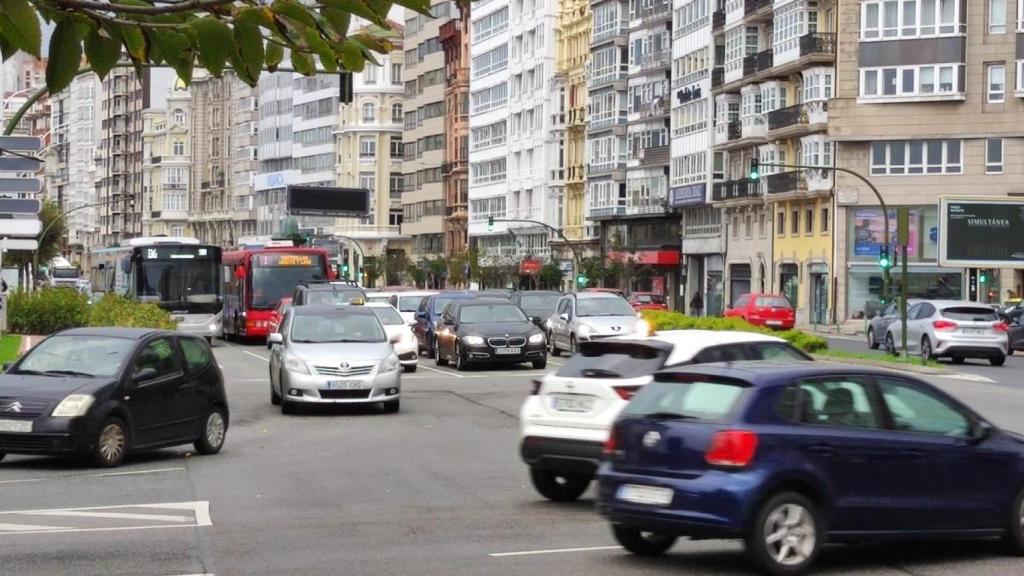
point(111, 444)
point(997, 360)
point(275, 397)
point(215, 428)
point(642, 543)
point(958, 359)
point(786, 535)
point(872, 343)
point(460, 362)
point(559, 486)
point(926, 349)
point(392, 406)
point(1015, 531)
point(437, 357)
point(409, 367)
point(890, 345)
point(540, 364)
point(572, 344)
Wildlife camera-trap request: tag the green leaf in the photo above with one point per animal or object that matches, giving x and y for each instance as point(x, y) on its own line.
point(66, 42)
point(338, 20)
point(303, 63)
point(134, 42)
point(356, 8)
point(374, 43)
point(293, 11)
point(262, 16)
point(351, 57)
point(327, 57)
point(102, 51)
point(273, 56)
point(6, 49)
point(215, 41)
point(250, 47)
point(421, 6)
point(20, 24)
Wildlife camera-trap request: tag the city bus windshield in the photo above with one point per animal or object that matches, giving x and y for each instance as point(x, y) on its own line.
point(276, 274)
point(185, 278)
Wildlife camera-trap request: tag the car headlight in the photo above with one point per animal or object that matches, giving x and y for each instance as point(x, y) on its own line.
point(73, 406)
point(293, 364)
point(473, 340)
point(389, 364)
point(536, 338)
point(584, 330)
point(643, 327)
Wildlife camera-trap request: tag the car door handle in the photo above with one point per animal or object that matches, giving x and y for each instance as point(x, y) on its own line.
point(823, 449)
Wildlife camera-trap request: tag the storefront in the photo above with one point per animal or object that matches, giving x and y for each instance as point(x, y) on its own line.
point(739, 281)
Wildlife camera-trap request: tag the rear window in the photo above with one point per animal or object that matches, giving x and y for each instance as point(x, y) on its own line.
point(696, 400)
point(772, 302)
point(970, 314)
point(409, 303)
point(613, 360)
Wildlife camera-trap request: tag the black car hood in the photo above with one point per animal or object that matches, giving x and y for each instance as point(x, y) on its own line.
point(48, 387)
point(540, 312)
point(499, 329)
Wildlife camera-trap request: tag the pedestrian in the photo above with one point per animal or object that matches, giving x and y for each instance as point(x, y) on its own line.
point(696, 304)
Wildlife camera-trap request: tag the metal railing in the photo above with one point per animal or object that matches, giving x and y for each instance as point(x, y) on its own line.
point(818, 43)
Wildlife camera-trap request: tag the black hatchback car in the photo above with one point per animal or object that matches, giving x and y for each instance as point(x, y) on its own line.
point(488, 330)
point(105, 392)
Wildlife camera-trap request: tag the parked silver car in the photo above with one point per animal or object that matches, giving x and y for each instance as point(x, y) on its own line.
point(333, 355)
point(880, 321)
point(952, 328)
point(588, 316)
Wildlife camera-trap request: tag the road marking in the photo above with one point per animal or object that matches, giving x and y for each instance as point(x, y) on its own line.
point(134, 472)
point(22, 480)
point(967, 377)
point(200, 517)
point(255, 355)
point(445, 372)
point(115, 515)
point(554, 551)
point(57, 530)
point(29, 528)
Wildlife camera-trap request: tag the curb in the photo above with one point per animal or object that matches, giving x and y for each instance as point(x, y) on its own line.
point(908, 367)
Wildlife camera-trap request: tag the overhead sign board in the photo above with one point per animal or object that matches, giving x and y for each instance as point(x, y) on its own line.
point(325, 201)
point(20, 227)
point(21, 143)
point(981, 232)
point(19, 164)
point(19, 244)
point(29, 185)
point(20, 206)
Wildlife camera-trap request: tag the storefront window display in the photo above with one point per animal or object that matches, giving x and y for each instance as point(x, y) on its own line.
point(789, 281)
point(926, 282)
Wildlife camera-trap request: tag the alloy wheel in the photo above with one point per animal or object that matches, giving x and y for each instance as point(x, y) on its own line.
point(112, 443)
point(215, 429)
point(790, 536)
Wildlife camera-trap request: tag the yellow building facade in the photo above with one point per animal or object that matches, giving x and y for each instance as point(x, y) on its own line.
point(574, 25)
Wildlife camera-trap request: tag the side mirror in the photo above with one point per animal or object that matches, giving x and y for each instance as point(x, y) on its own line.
point(564, 316)
point(980, 431)
point(144, 375)
point(274, 338)
point(395, 339)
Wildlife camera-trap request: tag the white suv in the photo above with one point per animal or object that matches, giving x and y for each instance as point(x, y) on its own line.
point(565, 421)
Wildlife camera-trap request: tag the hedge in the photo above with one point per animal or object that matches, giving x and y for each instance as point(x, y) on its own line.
point(53, 309)
point(661, 320)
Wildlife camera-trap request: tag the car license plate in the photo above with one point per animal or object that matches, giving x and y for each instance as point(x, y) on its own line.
point(645, 494)
point(975, 331)
point(572, 403)
point(507, 351)
point(774, 322)
point(15, 425)
point(346, 385)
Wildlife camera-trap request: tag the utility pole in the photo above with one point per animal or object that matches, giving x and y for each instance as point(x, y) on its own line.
point(577, 261)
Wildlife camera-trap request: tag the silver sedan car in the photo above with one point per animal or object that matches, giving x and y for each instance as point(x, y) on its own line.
point(586, 316)
point(333, 355)
point(955, 329)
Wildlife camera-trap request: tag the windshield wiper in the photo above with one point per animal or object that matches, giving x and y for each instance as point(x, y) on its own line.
point(69, 373)
point(669, 416)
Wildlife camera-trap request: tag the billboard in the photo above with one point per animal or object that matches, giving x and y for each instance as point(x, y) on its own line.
point(328, 201)
point(981, 232)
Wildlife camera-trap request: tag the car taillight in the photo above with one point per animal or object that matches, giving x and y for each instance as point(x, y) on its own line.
point(1001, 327)
point(612, 443)
point(733, 448)
point(625, 392)
point(535, 387)
point(944, 325)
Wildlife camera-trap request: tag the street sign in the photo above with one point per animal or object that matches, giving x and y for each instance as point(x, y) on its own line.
point(21, 143)
point(20, 206)
point(30, 185)
point(19, 244)
point(328, 201)
point(20, 227)
point(18, 164)
point(981, 232)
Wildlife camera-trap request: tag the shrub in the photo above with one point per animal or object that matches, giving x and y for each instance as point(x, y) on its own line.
point(662, 320)
point(114, 310)
point(46, 311)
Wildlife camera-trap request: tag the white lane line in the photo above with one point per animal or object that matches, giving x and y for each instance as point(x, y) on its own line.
point(134, 472)
point(22, 480)
point(255, 355)
point(260, 379)
point(445, 372)
point(967, 377)
point(555, 551)
point(22, 528)
point(121, 529)
point(114, 515)
point(200, 508)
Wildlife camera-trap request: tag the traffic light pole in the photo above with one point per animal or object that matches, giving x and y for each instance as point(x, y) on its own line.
point(341, 253)
point(881, 201)
point(577, 262)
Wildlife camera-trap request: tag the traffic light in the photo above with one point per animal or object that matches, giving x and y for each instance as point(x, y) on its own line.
point(344, 270)
point(490, 223)
point(581, 280)
point(982, 276)
point(755, 170)
point(883, 258)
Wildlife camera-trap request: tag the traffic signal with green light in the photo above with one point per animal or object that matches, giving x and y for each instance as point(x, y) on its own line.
point(490, 223)
point(344, 271)
point(983, 276)
point(883, 258)
point(581, 280)
point(755, 170)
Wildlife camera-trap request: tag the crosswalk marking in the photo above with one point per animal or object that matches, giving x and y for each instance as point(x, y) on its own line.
point(116, 515)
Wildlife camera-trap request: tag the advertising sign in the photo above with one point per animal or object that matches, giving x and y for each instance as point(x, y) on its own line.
point(868, 232)
point(981, 232)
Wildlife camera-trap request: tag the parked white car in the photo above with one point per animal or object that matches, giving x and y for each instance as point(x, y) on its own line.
point(399, 332)
point(408, 302)
point(565, 421)
point(955, 329)
point(584, 316)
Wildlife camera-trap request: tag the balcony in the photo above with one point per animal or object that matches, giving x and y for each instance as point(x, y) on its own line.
point(690, 78)
point(655, 204)
point(608, 75)
point(576, 174)
point(597, 168)
point(450, 30)
point(734, 190)
point(449, 167)
point(654, 13)
point(654, 108)
point(655, 60)
point(785, 182)
point(797, 119)
point(818, 43)
point(558, 120)
point(609, 31)
point(734, 131)
point(606, 120)
point(605, 211)
point(717, 21)
point(557, 176)
point(753, 126)
point(786, 117)
point(717, 76)
point(654, 156)
point(752, 6)
point(764, 60)
point(750, 65)
point(578, 116)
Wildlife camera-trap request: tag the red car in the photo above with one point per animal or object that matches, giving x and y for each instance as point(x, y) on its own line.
point(771, 310)
point(278, 314)
point(647, 301)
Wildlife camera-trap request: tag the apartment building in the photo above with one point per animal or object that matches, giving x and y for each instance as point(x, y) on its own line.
point(928, 103)
point(423, 75)
point(167, 166)
point(369, 154)
point(455, 35)
point(773, 79)
point(691, 157)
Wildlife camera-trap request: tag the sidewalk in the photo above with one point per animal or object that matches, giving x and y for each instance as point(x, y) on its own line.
point(848, 328)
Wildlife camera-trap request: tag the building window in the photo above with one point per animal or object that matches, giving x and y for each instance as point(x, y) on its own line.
point(789, 281)
point(179, 148)
point(735, 227)
point(396, 147)
point(740, 42)
point(490, 62)
point(809, 221)
point(824, 220)
point(762, 225)
point(489, 98)
point(368, 180)
point(369, 113)
point(396, 74)
point(910, 81)
point(996, 78)
point(494, 23)
point(179, 117)
point(912, 157)
point(748, 227)
point(997, 16)
point(367, 147)
point(780, 228)
point(396, 113)
point(1020, 73)
point(794, 225)
point(891, 19)
point(994, 156)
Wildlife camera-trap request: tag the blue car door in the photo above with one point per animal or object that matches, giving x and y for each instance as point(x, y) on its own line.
point(954, 481)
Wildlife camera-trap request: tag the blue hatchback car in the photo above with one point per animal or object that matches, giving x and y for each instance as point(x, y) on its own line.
point(428, 314)
point(788, 457)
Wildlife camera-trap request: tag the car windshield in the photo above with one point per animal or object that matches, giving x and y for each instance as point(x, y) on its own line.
point(275, 276)
point(970, 314)
point(180, 284)
point(331, 297)
point(321, 328)
point(77, 356)
point(388, 316)
point(480, 313)
point(772, 302)
point(692, 400)
point(540, 301)
point(440, 304)
point(603, 307)
point(409, 303)
point(613, 360)
point(64, 272)
point(649, 298)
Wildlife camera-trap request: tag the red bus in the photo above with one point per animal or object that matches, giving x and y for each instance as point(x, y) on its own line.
point(256, 279)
